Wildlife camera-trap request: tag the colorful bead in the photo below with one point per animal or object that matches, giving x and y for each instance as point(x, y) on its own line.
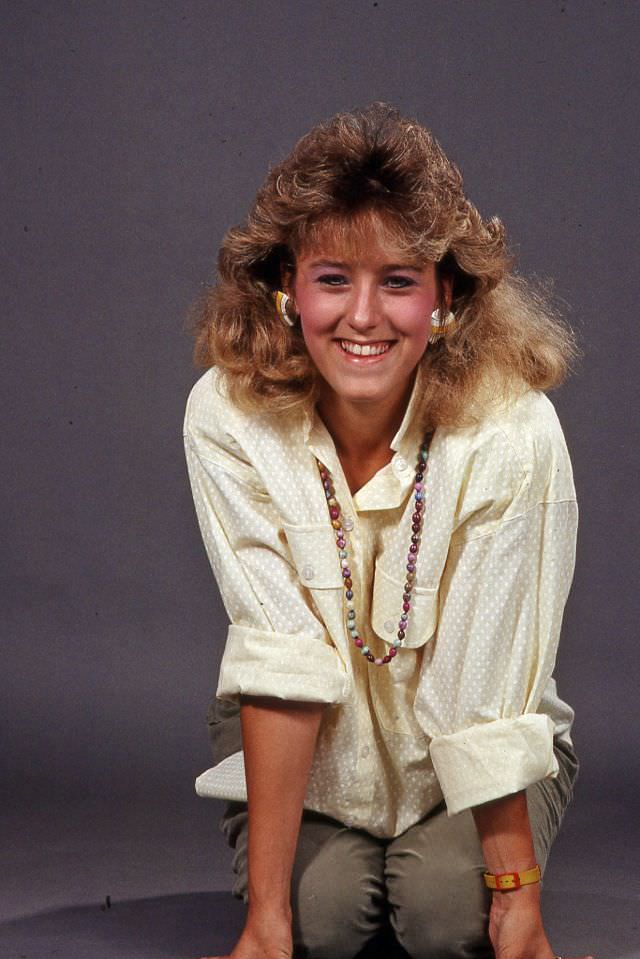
point(412, 556)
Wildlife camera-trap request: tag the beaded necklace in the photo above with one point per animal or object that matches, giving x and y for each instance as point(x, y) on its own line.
point(412, 555)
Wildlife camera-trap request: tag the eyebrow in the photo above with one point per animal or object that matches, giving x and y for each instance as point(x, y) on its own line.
point(327, 263)
point(336, 264)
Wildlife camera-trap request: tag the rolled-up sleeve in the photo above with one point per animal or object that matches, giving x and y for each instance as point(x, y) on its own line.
point(276, 645)
point(501, 604)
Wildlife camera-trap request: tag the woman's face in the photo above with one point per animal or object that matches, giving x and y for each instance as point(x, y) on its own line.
point(366, 320)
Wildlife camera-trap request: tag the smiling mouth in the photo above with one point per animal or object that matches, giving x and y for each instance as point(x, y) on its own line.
point(366, 349)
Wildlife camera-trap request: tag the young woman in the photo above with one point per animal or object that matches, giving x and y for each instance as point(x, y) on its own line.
point(387, 502)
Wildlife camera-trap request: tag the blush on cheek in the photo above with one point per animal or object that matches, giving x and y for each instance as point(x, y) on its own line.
point(422, 308)
point(317, 319)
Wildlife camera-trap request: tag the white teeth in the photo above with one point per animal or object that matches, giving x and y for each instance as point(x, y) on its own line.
point(364, 349)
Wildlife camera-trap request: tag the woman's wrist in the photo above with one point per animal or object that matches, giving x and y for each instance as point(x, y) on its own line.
point(269, 886)
point(276, 910)
point(526, 897)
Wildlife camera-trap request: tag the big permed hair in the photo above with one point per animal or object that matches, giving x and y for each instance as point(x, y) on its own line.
point(358, 170)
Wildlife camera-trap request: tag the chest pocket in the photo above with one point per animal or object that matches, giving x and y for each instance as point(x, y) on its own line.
point(387, 606)
point(314, 553)
point(394, 689)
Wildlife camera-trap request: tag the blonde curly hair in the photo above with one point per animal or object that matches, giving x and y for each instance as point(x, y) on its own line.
point(376, 169)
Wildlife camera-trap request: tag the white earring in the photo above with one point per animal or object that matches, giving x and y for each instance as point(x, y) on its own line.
point(281, 304)
point(439, 324)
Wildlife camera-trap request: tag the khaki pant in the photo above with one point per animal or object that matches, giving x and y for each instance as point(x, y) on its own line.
point(423, 889)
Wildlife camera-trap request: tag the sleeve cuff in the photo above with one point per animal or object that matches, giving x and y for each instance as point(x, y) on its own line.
point(259, 662)
point(494, 759)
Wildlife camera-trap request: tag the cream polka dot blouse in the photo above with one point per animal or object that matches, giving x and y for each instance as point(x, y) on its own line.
point(468, 709)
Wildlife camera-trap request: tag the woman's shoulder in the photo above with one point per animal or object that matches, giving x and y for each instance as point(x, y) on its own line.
point(206, 411)
point(214, 423)
point(509, 403)
point(513, 459)
point(207, 399)
point(523, 422)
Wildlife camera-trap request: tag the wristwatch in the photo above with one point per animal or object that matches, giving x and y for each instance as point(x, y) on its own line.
point(511, 880)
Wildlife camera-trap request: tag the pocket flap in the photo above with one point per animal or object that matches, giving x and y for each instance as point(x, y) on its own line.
point(315, 555)
point(386, 609)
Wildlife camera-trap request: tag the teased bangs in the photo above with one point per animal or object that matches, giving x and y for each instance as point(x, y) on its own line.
point(370, 227)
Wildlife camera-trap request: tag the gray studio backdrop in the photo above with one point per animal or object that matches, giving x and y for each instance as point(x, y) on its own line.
point(135, 134)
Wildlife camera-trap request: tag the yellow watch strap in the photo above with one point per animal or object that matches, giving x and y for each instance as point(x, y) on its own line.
point(512, 880)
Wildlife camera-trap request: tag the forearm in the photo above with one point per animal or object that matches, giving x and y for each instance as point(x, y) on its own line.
point(505, 833)
point(507, 846)
point(515, 922)
point(278, 741)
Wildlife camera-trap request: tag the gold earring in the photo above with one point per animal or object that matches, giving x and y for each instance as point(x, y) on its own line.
point(440, 324)
point(284, 306)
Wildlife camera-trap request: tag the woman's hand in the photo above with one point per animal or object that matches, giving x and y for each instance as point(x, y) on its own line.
point(266, 935)
point(515, 925)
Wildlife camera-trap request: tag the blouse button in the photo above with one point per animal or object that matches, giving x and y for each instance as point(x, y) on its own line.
point(364, 752)
point(308, 572)
point(401, 463)
point(347, 522)
point(390, 625)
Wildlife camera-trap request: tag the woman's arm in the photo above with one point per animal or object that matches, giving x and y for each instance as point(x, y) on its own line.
point(501, 601)
point(280, 690)
point(278, 740)
point(515, 922)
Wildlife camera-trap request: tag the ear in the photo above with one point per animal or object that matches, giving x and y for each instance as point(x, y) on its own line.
point(445, 284)
point(286, 279)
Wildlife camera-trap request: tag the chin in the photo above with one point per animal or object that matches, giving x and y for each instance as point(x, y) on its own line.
point(363, 395)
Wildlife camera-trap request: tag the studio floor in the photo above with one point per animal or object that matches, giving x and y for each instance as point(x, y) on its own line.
point(146, 879)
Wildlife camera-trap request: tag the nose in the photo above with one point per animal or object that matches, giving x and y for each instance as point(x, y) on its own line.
point(363, 308)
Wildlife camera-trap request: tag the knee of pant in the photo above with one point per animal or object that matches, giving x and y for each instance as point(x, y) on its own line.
point(325, 941)
point(325, 932)
point(447, 919)
point(337, 906)
point(333, 924)
point(434, 937)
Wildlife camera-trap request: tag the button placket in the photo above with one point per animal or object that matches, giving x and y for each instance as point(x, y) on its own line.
point(349, 525)
point(365, 773)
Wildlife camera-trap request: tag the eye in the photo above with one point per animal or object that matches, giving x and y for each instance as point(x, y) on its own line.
point(332, 279)
point(400, 282)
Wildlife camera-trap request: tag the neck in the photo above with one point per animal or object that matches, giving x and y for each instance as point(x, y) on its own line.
point(364, 430)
